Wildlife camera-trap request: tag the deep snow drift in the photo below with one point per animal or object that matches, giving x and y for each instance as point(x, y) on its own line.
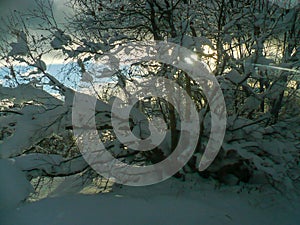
point(170, 202)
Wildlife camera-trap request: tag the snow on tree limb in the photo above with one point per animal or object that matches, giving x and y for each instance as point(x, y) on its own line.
point(37, 164)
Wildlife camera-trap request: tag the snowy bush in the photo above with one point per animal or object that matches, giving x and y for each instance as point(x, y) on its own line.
point(251, 48)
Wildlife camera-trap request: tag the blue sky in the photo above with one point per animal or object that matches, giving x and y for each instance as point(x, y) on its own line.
point(61, 71)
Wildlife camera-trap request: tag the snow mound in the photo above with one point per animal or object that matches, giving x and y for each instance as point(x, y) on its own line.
point(14, 187)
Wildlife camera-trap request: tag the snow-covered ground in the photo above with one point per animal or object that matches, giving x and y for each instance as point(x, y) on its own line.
point(170, 202)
